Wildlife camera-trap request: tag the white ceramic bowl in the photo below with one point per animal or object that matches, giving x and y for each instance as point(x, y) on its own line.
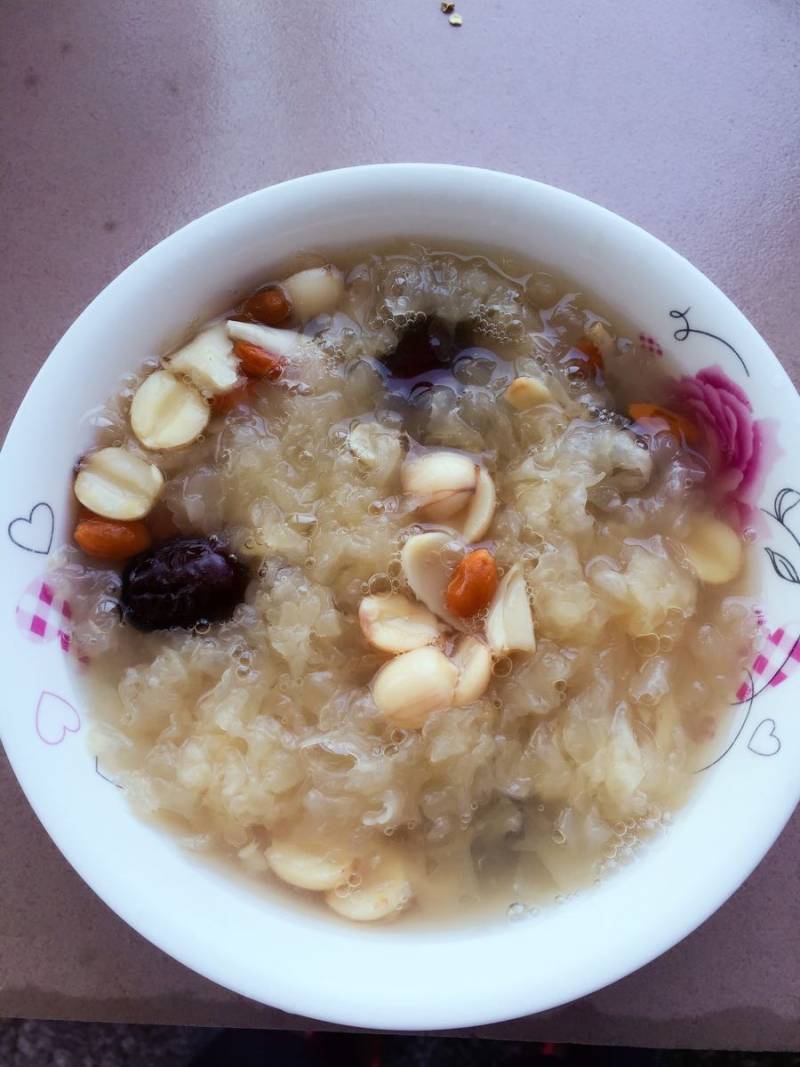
point(388, 977)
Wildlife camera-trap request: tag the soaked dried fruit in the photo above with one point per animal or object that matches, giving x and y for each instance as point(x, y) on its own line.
point(279, 343)
point(314, 292)
point(653, 419)
point(180, 583)
point(427, 572)
point(473, 584)
point(474, 662)
point(240, 394)
point(396, 624)
point(384, 891)
point(111, 538)
point(114, 483)
point(442, 482)
point(509, 626)
point(207, 361)
point(585, 360)
point(167, 412)
point(413, 685)
point(426, 345)
point(602, 340)
point(257, 361)
point(376, 446)
point(525, 393)
point(270, 306)
point(308, 866)
point(715, 551)
point(474, 523)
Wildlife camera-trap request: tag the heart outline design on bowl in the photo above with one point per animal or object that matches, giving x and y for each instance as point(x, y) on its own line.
point(29, 545)
point(765, 742)
point(54, 718)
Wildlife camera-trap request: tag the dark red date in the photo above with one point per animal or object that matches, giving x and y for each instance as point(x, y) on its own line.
point(427, 345)
point(180, 583)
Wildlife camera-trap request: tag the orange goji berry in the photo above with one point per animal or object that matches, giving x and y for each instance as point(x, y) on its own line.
point(242, 393)
point(655, 419)
point(111, 538)
point(473, 584)
point(257, 361)
point(588, 362)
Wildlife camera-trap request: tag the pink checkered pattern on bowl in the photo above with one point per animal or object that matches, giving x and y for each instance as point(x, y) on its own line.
point(43, 615)
point(777, 658)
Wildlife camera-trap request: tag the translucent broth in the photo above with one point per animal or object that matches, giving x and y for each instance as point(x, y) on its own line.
point(509, 847)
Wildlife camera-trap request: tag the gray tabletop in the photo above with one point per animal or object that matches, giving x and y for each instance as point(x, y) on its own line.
point(123, 119)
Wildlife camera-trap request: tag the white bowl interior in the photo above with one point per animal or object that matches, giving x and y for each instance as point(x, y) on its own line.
point(257, 943)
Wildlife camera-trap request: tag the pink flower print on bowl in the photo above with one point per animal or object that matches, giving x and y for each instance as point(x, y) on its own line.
point(649, 345)
point(737, 446)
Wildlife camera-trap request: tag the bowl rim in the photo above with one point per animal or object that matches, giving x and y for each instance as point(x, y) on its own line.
point(292, 998)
